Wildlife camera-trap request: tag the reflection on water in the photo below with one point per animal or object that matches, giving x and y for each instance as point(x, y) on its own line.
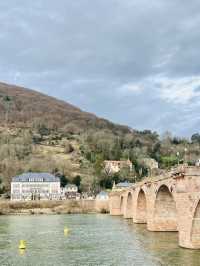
point(93, 240)
point(164, 247)
point(22, 252)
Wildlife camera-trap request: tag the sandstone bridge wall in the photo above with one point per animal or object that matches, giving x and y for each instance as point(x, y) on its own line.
point(167, 203)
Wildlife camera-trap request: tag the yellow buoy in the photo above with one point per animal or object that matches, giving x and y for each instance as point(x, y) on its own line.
point(22, 244)
point(22, 252)
point(66, 230)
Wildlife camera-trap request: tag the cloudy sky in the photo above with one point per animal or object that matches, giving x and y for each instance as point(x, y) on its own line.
point(135, 62)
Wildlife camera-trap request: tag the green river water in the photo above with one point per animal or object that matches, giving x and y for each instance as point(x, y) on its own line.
point(93, 240)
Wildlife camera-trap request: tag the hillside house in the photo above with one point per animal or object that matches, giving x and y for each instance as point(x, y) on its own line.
point(150, 163)
point(112, 167)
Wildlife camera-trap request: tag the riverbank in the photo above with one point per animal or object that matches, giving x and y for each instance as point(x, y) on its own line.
point(54, 207)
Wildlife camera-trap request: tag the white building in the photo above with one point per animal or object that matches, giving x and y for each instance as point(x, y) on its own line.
point(71, 188)
point(102, 196)
point(70, 191)
point(35, 186)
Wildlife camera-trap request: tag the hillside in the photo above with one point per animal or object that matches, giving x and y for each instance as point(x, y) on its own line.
point(20, 107)
point(40, 133)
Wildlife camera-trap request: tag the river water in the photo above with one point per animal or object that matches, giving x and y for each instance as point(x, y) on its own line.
point(93, 240)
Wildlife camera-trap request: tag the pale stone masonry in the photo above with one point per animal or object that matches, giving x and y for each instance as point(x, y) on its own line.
point(112, 167)
point(165, 203)
point(35, 186)
point(150, 163)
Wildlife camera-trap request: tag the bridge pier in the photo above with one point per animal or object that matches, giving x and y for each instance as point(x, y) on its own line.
point(114, 202)
point(140, 208)
point(189, 220)
point(195, 228)
point(162, 212)
point(128, 205)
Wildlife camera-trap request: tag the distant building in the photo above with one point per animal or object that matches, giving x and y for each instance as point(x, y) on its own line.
point(197, 163)
point(35, 186)
point(112, 167)
point(71, 188)
point(150, 163)
point(87, 195)
point(70, 191)
point(122, 185)
point(102, 196)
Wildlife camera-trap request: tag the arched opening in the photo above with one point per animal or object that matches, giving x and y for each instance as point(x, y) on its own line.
point(141, 211)
point(122, 205)
point(129, 207)
point(195, 233)
point(165, 216)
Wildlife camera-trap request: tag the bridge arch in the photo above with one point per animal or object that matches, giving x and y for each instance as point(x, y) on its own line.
point(122, 205)
point(141, 208)
point(165, 213)
point(195, 230)
point(129, 206)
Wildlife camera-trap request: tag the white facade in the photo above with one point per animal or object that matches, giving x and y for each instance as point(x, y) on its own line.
point(70, 191)
point(197, 162)
point(71, 188)
point(35, 187)
point(102, 196)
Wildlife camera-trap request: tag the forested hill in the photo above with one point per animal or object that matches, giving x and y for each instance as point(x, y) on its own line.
point(22, 107)
point(39, 133)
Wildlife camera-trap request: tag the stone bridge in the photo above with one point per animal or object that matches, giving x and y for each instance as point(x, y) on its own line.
point(166, 203)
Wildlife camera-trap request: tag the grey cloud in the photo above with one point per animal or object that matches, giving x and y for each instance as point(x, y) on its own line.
point(85, 51)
